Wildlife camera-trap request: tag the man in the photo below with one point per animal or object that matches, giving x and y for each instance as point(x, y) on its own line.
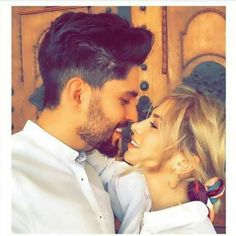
point(88, 64)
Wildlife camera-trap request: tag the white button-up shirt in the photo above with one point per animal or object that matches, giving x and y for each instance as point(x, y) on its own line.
point(55, 190)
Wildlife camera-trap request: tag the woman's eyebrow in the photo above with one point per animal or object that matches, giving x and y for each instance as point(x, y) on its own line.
point(156, 116)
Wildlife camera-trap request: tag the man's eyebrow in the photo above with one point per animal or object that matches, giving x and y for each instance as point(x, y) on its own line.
point(131, 93)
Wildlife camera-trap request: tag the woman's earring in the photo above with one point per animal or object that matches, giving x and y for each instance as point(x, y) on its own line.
point(173, 180)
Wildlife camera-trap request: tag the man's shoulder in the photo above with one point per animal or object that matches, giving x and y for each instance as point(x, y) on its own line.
point(26, 136)
point(21, 143)
point(24, 153)
point(17, 136)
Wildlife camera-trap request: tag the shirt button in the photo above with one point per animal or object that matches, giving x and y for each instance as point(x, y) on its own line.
point(82, 179)
point(100, 217)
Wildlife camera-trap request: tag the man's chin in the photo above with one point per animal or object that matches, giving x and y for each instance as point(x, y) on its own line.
point(108, 149)
point(109, 152)
point(88, 148)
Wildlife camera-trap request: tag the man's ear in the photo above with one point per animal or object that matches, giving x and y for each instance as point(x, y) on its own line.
point(74, 90)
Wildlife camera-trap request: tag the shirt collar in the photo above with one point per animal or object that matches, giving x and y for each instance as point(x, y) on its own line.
point(51, 144)
point(176, 216)
point(81, 157)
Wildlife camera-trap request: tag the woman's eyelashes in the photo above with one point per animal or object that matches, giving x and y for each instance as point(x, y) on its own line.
point(153, 125)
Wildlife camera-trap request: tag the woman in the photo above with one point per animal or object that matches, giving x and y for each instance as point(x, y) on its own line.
point(180, 150)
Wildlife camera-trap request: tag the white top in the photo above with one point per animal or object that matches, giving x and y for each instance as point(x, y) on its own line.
point(131, 203)
point(187, 218)
point(130, 198)
point(53, 193)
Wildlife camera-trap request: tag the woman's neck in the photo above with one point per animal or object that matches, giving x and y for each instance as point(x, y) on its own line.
point(162, 195)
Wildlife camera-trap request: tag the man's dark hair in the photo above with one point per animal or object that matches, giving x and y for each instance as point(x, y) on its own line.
point(96, 47)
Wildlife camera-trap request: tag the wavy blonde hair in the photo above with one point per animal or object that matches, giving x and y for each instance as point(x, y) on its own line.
point(195, 126)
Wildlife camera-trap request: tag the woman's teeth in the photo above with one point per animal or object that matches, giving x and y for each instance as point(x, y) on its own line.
point(134, 143)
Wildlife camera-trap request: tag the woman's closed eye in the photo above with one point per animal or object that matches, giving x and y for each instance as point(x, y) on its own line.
point(153, 125)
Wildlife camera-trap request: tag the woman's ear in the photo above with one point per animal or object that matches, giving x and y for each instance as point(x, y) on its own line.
point(181, 164)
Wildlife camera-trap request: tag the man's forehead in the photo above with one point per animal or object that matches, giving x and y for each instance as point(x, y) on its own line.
point(131, 82)
point(124, 87)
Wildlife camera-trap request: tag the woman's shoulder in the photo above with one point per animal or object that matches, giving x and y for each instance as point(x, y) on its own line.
point(190, 217)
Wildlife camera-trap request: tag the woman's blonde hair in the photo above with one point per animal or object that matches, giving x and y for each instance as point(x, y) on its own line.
point(195, 126)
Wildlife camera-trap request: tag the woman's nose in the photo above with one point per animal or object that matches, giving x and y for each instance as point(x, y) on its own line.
point(137, 127)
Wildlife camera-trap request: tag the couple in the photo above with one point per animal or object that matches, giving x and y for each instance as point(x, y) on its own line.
point(89, 66)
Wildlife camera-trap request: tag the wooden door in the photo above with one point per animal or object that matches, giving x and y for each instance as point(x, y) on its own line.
point(184, 38)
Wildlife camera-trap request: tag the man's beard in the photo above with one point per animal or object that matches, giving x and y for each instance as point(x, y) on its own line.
point(97, 130)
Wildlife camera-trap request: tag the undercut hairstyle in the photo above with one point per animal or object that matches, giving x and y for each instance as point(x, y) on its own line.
point(96, 47)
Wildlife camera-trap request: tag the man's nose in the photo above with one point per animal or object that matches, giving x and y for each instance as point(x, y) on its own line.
point(132, 115)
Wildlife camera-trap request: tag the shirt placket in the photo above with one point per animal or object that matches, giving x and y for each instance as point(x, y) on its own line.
point(82, 177)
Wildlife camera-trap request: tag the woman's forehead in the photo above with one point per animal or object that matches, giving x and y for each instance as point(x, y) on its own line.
point(162, 108)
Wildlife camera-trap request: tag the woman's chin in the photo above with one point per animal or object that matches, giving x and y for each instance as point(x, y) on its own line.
point(129, 159)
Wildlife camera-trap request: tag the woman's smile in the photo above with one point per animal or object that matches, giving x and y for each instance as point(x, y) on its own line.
point(133, 144)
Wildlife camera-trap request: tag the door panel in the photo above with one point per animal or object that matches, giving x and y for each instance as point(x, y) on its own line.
point(184, 38)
